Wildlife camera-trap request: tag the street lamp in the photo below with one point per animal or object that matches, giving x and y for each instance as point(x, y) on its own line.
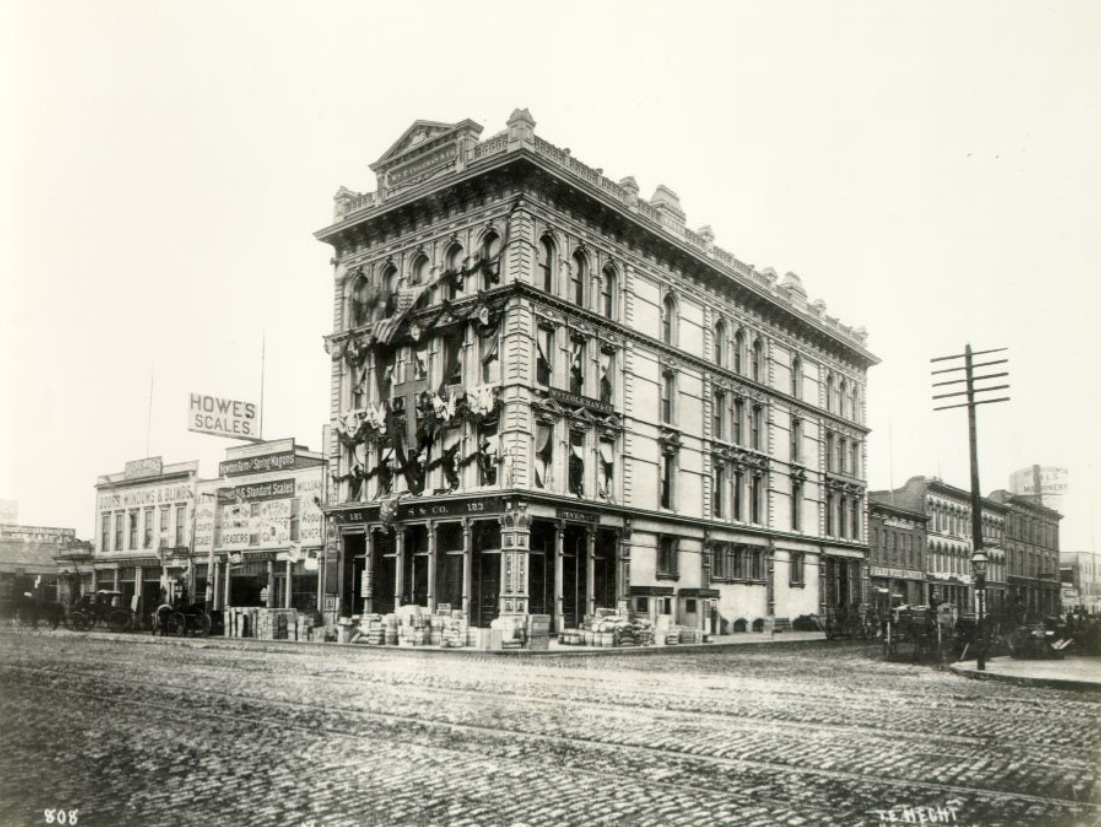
point(979, 562)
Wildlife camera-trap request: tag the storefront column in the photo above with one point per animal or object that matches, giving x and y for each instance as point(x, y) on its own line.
point(515, 589)
point(432, 566)
point(226, 604)
point(212, 585)
point(270, 602)
point(467, 568)
point(590, 570)
point(287, 592)
point(623, 563)
point(399, 575)
point(368, 580)
point(770, 578)
point(559, 553)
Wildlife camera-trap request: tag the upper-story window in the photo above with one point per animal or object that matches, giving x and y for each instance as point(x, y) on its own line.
point(607, 377)
point(843, 398)
point(419, 273)
point(796, 440)
point(547, 256)
point(361, 296)
point(758, 358)
point(719, 350)
point(797, 377)
point(669, 320)
point(739, 353)
point(718, 416)
point(454, 266)
point(578, 275)
point(854, 403)
point(491, 363)
point(608, 289)
point(577, 367)
point(390, 288)
point(756, 434)
point(544, 357)
point(668, 396)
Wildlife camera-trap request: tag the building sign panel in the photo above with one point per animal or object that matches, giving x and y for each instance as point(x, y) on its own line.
point(895, 574)
point(580, 401)
point(577, 515)
point(280, 461)
point(222, 417)
point(461, 508)
point(36, 534)
point(254, 492)
point(140, 468)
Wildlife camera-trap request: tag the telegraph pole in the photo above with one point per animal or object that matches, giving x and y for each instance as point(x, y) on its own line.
point(979, 559)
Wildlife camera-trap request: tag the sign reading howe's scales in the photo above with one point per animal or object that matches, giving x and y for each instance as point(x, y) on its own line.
point(232, 418)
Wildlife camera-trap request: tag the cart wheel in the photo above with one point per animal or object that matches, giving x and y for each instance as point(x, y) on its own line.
point(79, 621)
point(202, 624)
point(177, 624)
point(119, 620)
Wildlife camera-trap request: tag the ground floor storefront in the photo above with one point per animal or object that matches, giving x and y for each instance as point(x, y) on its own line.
point(486, 562)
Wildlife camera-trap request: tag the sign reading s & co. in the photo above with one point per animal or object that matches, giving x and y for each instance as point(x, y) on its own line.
point(222, 417)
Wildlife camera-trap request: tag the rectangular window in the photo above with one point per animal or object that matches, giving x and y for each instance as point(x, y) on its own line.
point(796, 440)
point(829, 514)
point(577, 463)
point(854, 465)
point(105, 533)
point(718, 411)
point(755, 499)
point(606, 476)
point(607, 377)
point(668, 392)
point(180, 512)
point(147, 538)
point(667, 556)
point(296, 518)
point(132, 519)
point(577, 367)
point(418, 365)
point(739, 419)
point(452, 373)
point(544, 357)
point(668, 472)
point(164, 519)
point(489, 453)
point(254, 521)
point(491, 363)
point(642, 604)
point(842, 455)
point(384, 375)
point(829, 453)
point(118, 531)
point(718, 561)
point(856, 513)
point(738, 564)
point(797, 574)
point(756, 434)
point(544, 455)
point(796, 505)
point(756, 569)
point(719, 492)
point(739, 484)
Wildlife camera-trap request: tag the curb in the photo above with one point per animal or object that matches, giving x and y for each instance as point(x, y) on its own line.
point(1020, 680)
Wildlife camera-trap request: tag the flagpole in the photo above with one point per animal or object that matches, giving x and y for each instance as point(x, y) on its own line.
point(149, 413)
point(263, 347)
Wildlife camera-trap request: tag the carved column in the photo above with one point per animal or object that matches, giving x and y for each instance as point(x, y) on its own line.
point(432, 558)
point(515, 549)
point(623, 563)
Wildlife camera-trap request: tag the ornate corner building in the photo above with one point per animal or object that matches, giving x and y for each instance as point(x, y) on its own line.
point(550, 396)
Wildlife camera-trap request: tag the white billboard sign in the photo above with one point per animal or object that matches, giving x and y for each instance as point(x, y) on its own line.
point(222, 417)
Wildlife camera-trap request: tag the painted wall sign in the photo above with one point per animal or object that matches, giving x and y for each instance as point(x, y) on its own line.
point(585, 401)
point(254, 492)
point(36, 533)
point(575, 515)
point(459, 508)
point(222, 417)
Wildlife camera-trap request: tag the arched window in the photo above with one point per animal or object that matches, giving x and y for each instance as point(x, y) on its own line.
point(419, 273)
point(758, 360)
point(546, 264)
point(739, 353)
point(843, 398)
point(490, 254)
point(797, 377)
point(608, 293)
point(669, 320)
point(361, 294)
point(720, 344)
point(830, 392)
point(390, 290)
point(854, 403)
point(578, 274)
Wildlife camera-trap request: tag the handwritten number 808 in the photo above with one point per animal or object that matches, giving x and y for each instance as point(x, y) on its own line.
point(61, 816)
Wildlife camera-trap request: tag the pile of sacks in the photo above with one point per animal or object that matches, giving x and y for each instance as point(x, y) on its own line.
point(607, 628)
point(412, 626)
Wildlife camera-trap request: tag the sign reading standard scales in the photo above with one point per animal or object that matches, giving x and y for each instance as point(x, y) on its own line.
point(222, 417)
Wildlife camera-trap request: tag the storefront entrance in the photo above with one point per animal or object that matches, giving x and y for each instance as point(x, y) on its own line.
point(486, 570)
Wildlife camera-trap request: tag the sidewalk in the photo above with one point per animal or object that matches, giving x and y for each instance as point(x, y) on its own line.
point(1082, 672)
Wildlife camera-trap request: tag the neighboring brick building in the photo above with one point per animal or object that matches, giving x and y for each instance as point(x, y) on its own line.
point(1032, 548)
point(896, 552)
point(1081, 575)
point(550, 396)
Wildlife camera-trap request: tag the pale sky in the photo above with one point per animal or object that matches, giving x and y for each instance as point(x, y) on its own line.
point(931, 170)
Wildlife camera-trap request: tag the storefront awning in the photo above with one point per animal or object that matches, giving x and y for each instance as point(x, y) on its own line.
point(651, 591)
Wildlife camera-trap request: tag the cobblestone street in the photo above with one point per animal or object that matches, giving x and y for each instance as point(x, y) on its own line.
point(129, 730)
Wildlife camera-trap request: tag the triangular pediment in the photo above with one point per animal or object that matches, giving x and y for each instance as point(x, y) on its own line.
point(420, 134)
